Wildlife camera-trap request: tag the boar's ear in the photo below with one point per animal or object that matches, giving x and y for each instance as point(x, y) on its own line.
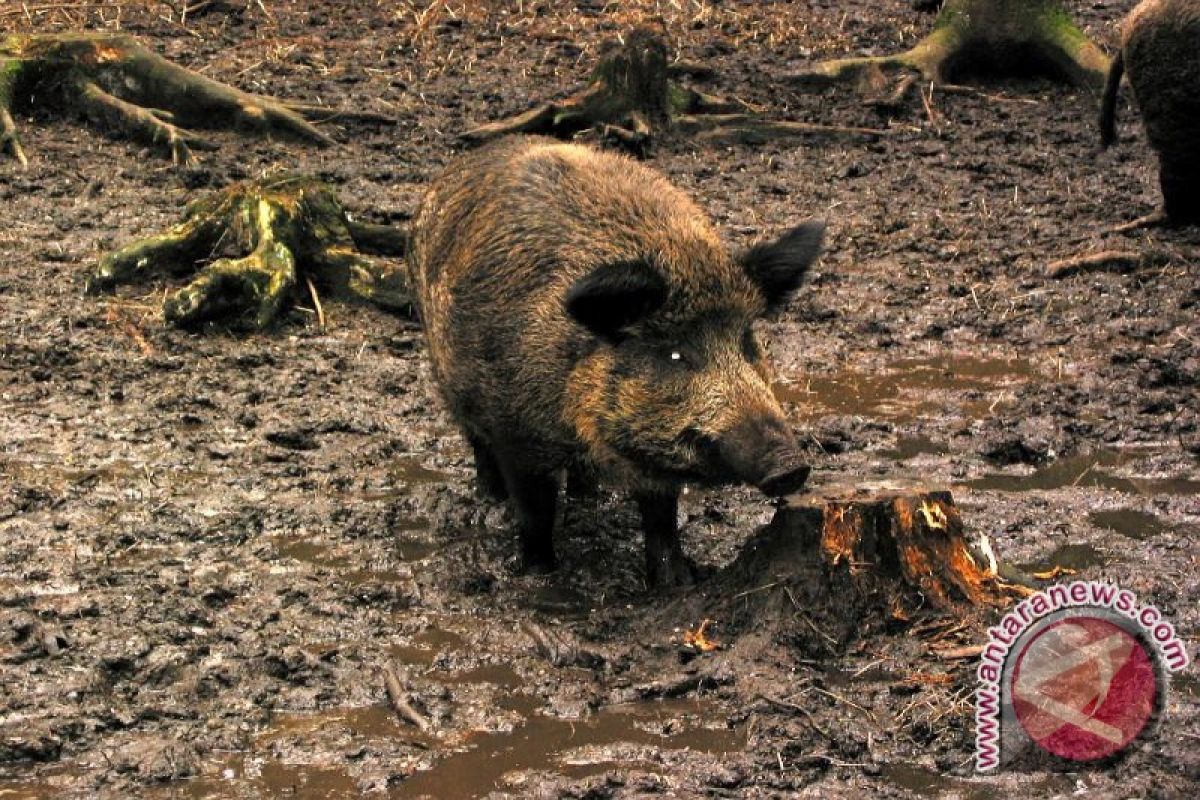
point(779, 266)
point(615, 296)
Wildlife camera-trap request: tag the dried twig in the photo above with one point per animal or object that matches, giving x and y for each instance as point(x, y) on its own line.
point(400, 703)
point(1103, 261)
point(953, 653)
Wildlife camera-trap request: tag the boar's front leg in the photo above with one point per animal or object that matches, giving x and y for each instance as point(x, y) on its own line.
point(535, 495)
point(666, 565)
point(489, 480)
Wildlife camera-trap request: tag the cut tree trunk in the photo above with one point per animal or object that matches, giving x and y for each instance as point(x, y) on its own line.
point(994, 38)
point(114, 81)
point(633, 92)
point(831, 565)
point(278, 235)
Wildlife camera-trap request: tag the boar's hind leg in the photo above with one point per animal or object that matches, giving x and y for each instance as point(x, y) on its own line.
point(489, 480)
point(535, 495)
point(1180, 183)
point(666, 565)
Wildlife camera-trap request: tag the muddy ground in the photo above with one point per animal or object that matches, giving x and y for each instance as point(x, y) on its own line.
point(212, 542)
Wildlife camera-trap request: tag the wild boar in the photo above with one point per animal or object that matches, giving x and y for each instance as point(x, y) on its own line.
point(582, 314)
point(1160, 51)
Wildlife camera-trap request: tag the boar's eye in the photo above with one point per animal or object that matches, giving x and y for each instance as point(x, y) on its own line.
point(615, 296)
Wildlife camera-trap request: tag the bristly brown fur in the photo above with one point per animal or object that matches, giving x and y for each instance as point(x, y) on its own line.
point(1160, 52)
point(582, 312)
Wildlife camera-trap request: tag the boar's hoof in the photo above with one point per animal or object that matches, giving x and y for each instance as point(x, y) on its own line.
point(786, 481)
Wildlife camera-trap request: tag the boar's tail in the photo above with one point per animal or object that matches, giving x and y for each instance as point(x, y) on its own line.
point(1108, 106)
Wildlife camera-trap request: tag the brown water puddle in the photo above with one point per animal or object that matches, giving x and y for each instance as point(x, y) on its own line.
point(1129, 522)
point(912, 446)
point(924, 782)
point(1086, 471)
point(1076, 557)
point(426, 646)
point(255, 775)
point(912, 387)
point(327, 556)
point(57, 781)
point(575, 747)
point(572, 747)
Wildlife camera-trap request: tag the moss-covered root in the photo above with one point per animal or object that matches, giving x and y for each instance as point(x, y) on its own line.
point(980, 37)
point(276, 234)
point(113, 80)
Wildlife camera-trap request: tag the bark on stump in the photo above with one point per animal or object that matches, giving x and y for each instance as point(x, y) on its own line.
point(831, 565)
point(633, 93)
point(115, 82)
point(279, 235)
point(977, 37)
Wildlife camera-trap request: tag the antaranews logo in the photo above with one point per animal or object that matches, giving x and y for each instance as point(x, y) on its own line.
point(1075, 671)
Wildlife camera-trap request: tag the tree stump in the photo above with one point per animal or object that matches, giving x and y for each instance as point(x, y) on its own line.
point(977, 37)
point(633, 92)
point(114, 81)
point(279, 234)
point(832, 564)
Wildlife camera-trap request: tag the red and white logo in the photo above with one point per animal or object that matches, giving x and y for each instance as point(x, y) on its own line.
point(1083, 688)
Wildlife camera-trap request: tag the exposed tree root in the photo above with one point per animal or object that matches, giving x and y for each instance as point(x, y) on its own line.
point(632, 94)
point(1155, 219)
point(114, 81)
point(975, 37)
point(1104, 261)
point(277, 234)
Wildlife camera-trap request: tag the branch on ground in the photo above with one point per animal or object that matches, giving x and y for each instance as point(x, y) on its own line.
point(275, 236)
point(115, 82)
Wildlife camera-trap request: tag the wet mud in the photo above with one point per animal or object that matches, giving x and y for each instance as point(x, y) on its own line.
point(213, 545)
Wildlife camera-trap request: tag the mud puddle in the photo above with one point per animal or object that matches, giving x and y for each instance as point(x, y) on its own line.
point(342, 558)
point(1129, 522)
point(912, 446)
point(404, 473)
point(578, 748)
point(1075, 557)
point(1087, 471)
point(911, 388)
point(426, 646)
point(924, 782)
point(618, 737)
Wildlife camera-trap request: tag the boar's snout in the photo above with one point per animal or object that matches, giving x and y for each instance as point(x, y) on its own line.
point(762, 452)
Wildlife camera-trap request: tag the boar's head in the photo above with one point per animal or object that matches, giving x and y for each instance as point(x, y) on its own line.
point(673, 385)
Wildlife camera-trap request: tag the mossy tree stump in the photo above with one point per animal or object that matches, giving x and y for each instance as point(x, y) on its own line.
point(277, 235)
point(633, 93)
point(114, 81)
point(994, 38)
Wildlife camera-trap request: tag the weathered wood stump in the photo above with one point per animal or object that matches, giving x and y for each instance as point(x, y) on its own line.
point(970, 37)
point(278, 235)
point(832, 564)
point(633, 92)
point(113, 81)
